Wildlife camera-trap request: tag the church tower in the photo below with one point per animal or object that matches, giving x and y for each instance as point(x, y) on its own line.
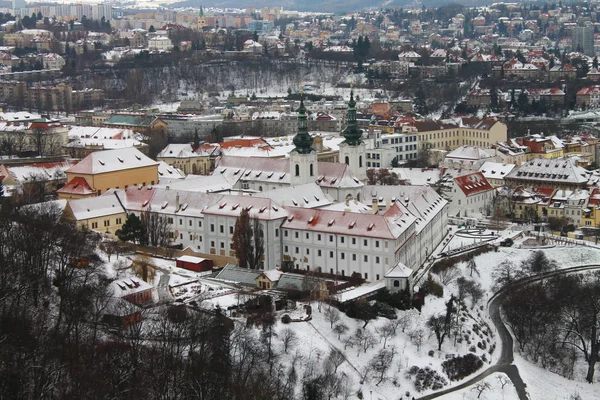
point(201, 19)
point(353, 149)
point(303, 159)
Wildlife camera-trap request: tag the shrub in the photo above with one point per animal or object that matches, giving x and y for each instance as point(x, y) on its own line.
point(459, 367)
point(431, 353)
point(426, 378)
point(286, 319)
point(472, 349)
point(432, 287)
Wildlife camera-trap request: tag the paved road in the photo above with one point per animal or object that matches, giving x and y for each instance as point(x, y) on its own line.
point(164, 295)
point(505, 362)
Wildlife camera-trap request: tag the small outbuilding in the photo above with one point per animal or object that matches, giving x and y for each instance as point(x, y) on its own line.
point(268, 279)
point(399, 278)
point(196, 264)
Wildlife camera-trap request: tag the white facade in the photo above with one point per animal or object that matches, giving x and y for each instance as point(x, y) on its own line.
point(160, 43)
point(354, 157)
point(303, 168)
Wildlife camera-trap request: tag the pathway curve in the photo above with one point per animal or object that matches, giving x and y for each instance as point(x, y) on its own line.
point(505, 362)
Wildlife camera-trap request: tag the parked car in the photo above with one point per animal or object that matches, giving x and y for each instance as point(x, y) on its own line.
point(507, 242)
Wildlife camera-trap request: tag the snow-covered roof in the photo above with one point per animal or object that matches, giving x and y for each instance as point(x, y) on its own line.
point(399, 271)
point(94, 207)
point(167, 171)
point(468, 153)
point(472, 184)
point(112, 160)
point(387, 226)
point(495, 170)
point(423, 202)
point(38, 172)
point(198, 183)
point(310, 195)
point(419, 176)
point(273, 275)
point(191, 259)
point(260, 208)
point(128, 286)
point(555, 170)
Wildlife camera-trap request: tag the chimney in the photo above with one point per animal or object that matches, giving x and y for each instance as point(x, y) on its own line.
point(387, 204)
point(177, 202)
point(375, 205)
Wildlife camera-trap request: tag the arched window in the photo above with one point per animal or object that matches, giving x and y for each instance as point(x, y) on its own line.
point(311, 170)
point(347, 160)
point(297, 170)
point(260, 188)
point(360, 161)
point(396, 283)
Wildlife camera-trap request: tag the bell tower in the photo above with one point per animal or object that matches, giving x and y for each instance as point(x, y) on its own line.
point(353, 149)
point(303, 159)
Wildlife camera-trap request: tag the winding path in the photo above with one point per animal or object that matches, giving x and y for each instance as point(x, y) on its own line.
point(505, 362)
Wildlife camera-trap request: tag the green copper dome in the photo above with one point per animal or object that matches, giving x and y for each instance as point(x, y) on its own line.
point(352, 134)
point(303, 141)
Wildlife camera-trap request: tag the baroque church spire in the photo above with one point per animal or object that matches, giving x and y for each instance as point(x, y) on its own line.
point(303, 141)
point(352, 134)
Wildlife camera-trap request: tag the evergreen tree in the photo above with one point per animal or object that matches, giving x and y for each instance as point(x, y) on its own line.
point(241, 241)
point(132, 230)
point(421, 101)
point(152, 29)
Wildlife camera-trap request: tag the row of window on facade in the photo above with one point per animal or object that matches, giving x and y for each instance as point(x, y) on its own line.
point(106, 223)
point(331, 238)
point(331, 254)
point(342, 272)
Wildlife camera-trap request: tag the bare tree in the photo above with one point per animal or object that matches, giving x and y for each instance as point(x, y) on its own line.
point(381, 363)
point(340, 329)
point(503, 380)
point(472, 266)
point(335, 359)
point(417, 337)
point(388, 331)
point(256, 262)
point(481, 387)
point(448, 275)
point(288, 338)
point(405, 320)
point(157, 229)
point(332, 315)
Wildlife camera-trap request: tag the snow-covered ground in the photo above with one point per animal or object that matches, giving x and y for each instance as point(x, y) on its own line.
point(316, 338)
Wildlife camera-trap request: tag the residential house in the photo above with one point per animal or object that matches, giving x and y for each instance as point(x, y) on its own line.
point(145, 124)
point(495, 172)
point(472, 196)
point(554, 173)
point(467, 132)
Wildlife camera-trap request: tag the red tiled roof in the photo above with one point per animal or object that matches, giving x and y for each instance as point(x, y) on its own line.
point(243, 143)
point(78, 186)
point(473, 184)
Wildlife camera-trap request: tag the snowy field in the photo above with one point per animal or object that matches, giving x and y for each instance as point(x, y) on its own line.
point(316, 339)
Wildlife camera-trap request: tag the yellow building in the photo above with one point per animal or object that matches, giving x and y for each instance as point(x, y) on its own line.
point(469, 132)
point(182, 156)
point(104, 214)
point(109, 169)
point(591, 214)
